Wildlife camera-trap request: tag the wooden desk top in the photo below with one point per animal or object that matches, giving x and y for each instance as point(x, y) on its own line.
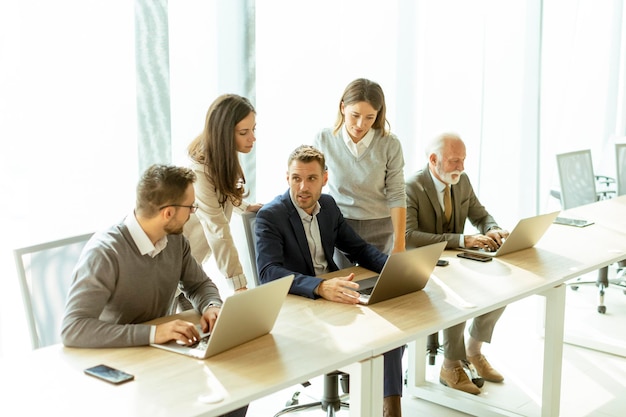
point(167, 383)
point(466, 288)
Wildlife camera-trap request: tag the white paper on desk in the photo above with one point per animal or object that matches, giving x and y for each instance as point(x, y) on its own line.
point(457, 299)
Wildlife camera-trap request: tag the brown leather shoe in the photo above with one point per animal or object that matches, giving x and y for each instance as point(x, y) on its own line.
point(484, 368)
point(457, 378)
point(392, 406)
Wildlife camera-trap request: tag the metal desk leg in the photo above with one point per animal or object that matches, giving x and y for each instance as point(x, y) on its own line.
point(553, 351)
point(416, 375)
point(366, 387)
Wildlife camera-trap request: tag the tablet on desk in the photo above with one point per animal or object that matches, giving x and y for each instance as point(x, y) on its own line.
point(572, 222)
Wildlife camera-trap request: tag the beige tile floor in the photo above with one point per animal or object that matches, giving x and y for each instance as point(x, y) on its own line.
point(593, 382)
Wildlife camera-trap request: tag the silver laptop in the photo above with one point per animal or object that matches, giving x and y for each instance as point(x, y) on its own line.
point(244, 316)
point(525, 235)
point(403, 273)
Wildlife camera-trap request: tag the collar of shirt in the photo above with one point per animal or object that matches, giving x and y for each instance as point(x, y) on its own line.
point(303, 214)
point(363, 143)
point(141, 239)
point(440, 186)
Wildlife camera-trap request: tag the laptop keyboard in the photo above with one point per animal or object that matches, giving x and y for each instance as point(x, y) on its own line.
point(367, 285)
point(201, 344)
point(366, 291)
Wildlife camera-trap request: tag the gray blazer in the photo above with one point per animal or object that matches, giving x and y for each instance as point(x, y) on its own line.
point(424, 214)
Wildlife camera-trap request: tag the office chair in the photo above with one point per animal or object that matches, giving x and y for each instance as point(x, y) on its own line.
point(331, 400)
point(249, 221)
point(45, 272)
point(579, 186)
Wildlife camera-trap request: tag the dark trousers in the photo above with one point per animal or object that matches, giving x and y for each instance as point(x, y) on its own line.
point(393, 375)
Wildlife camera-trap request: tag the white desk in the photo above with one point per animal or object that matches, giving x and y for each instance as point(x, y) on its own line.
point(609, 217)
point(564, 253)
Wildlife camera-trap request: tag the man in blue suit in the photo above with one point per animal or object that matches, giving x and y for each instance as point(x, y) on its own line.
point(297, 233)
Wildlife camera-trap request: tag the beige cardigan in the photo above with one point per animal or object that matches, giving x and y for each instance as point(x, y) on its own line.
point(208, 230)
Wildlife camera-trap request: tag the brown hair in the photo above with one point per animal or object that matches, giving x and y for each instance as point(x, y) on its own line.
point(307, 153)
point(371, 92)
point(216, 148)
point(161, 185)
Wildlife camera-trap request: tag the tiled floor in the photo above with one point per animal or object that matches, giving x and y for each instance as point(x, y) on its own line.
point(592, 385)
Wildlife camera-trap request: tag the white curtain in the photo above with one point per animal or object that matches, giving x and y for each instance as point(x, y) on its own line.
point(518, 80)
point(468, 67)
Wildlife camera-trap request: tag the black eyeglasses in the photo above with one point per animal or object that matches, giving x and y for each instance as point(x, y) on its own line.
point(191, 208)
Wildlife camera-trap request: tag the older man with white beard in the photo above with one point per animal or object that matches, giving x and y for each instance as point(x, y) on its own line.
point(440, 198)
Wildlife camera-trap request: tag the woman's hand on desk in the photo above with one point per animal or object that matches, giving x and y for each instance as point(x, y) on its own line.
point(340, 290)
point(180, 330)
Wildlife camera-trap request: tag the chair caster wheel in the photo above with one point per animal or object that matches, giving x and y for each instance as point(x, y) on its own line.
point(294, 400)
point(601, 309)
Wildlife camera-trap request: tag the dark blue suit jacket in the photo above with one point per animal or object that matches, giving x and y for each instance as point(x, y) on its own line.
point(282, 247)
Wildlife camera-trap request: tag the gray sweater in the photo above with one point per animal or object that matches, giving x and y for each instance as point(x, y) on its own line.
point(115, 288)
point(366, 187)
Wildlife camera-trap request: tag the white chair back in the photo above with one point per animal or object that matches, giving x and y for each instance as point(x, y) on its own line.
point(45, 273)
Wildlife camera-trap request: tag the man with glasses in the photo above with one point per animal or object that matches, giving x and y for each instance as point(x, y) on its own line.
point(129, 274)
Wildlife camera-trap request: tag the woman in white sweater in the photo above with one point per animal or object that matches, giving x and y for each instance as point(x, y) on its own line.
point(366, 167)
point(228, 130)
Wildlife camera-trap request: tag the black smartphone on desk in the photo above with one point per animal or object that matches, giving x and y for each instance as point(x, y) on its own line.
point(474, 256)
point(108, 374)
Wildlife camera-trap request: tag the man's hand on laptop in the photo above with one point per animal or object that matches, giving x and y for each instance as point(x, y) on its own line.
point(482, 242)
point(207, 320)
point(181, 331)
point(498, 235)
point(339, 289)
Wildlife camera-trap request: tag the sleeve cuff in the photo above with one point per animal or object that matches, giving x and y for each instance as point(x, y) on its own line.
point(217, 304)
point(237, 281)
